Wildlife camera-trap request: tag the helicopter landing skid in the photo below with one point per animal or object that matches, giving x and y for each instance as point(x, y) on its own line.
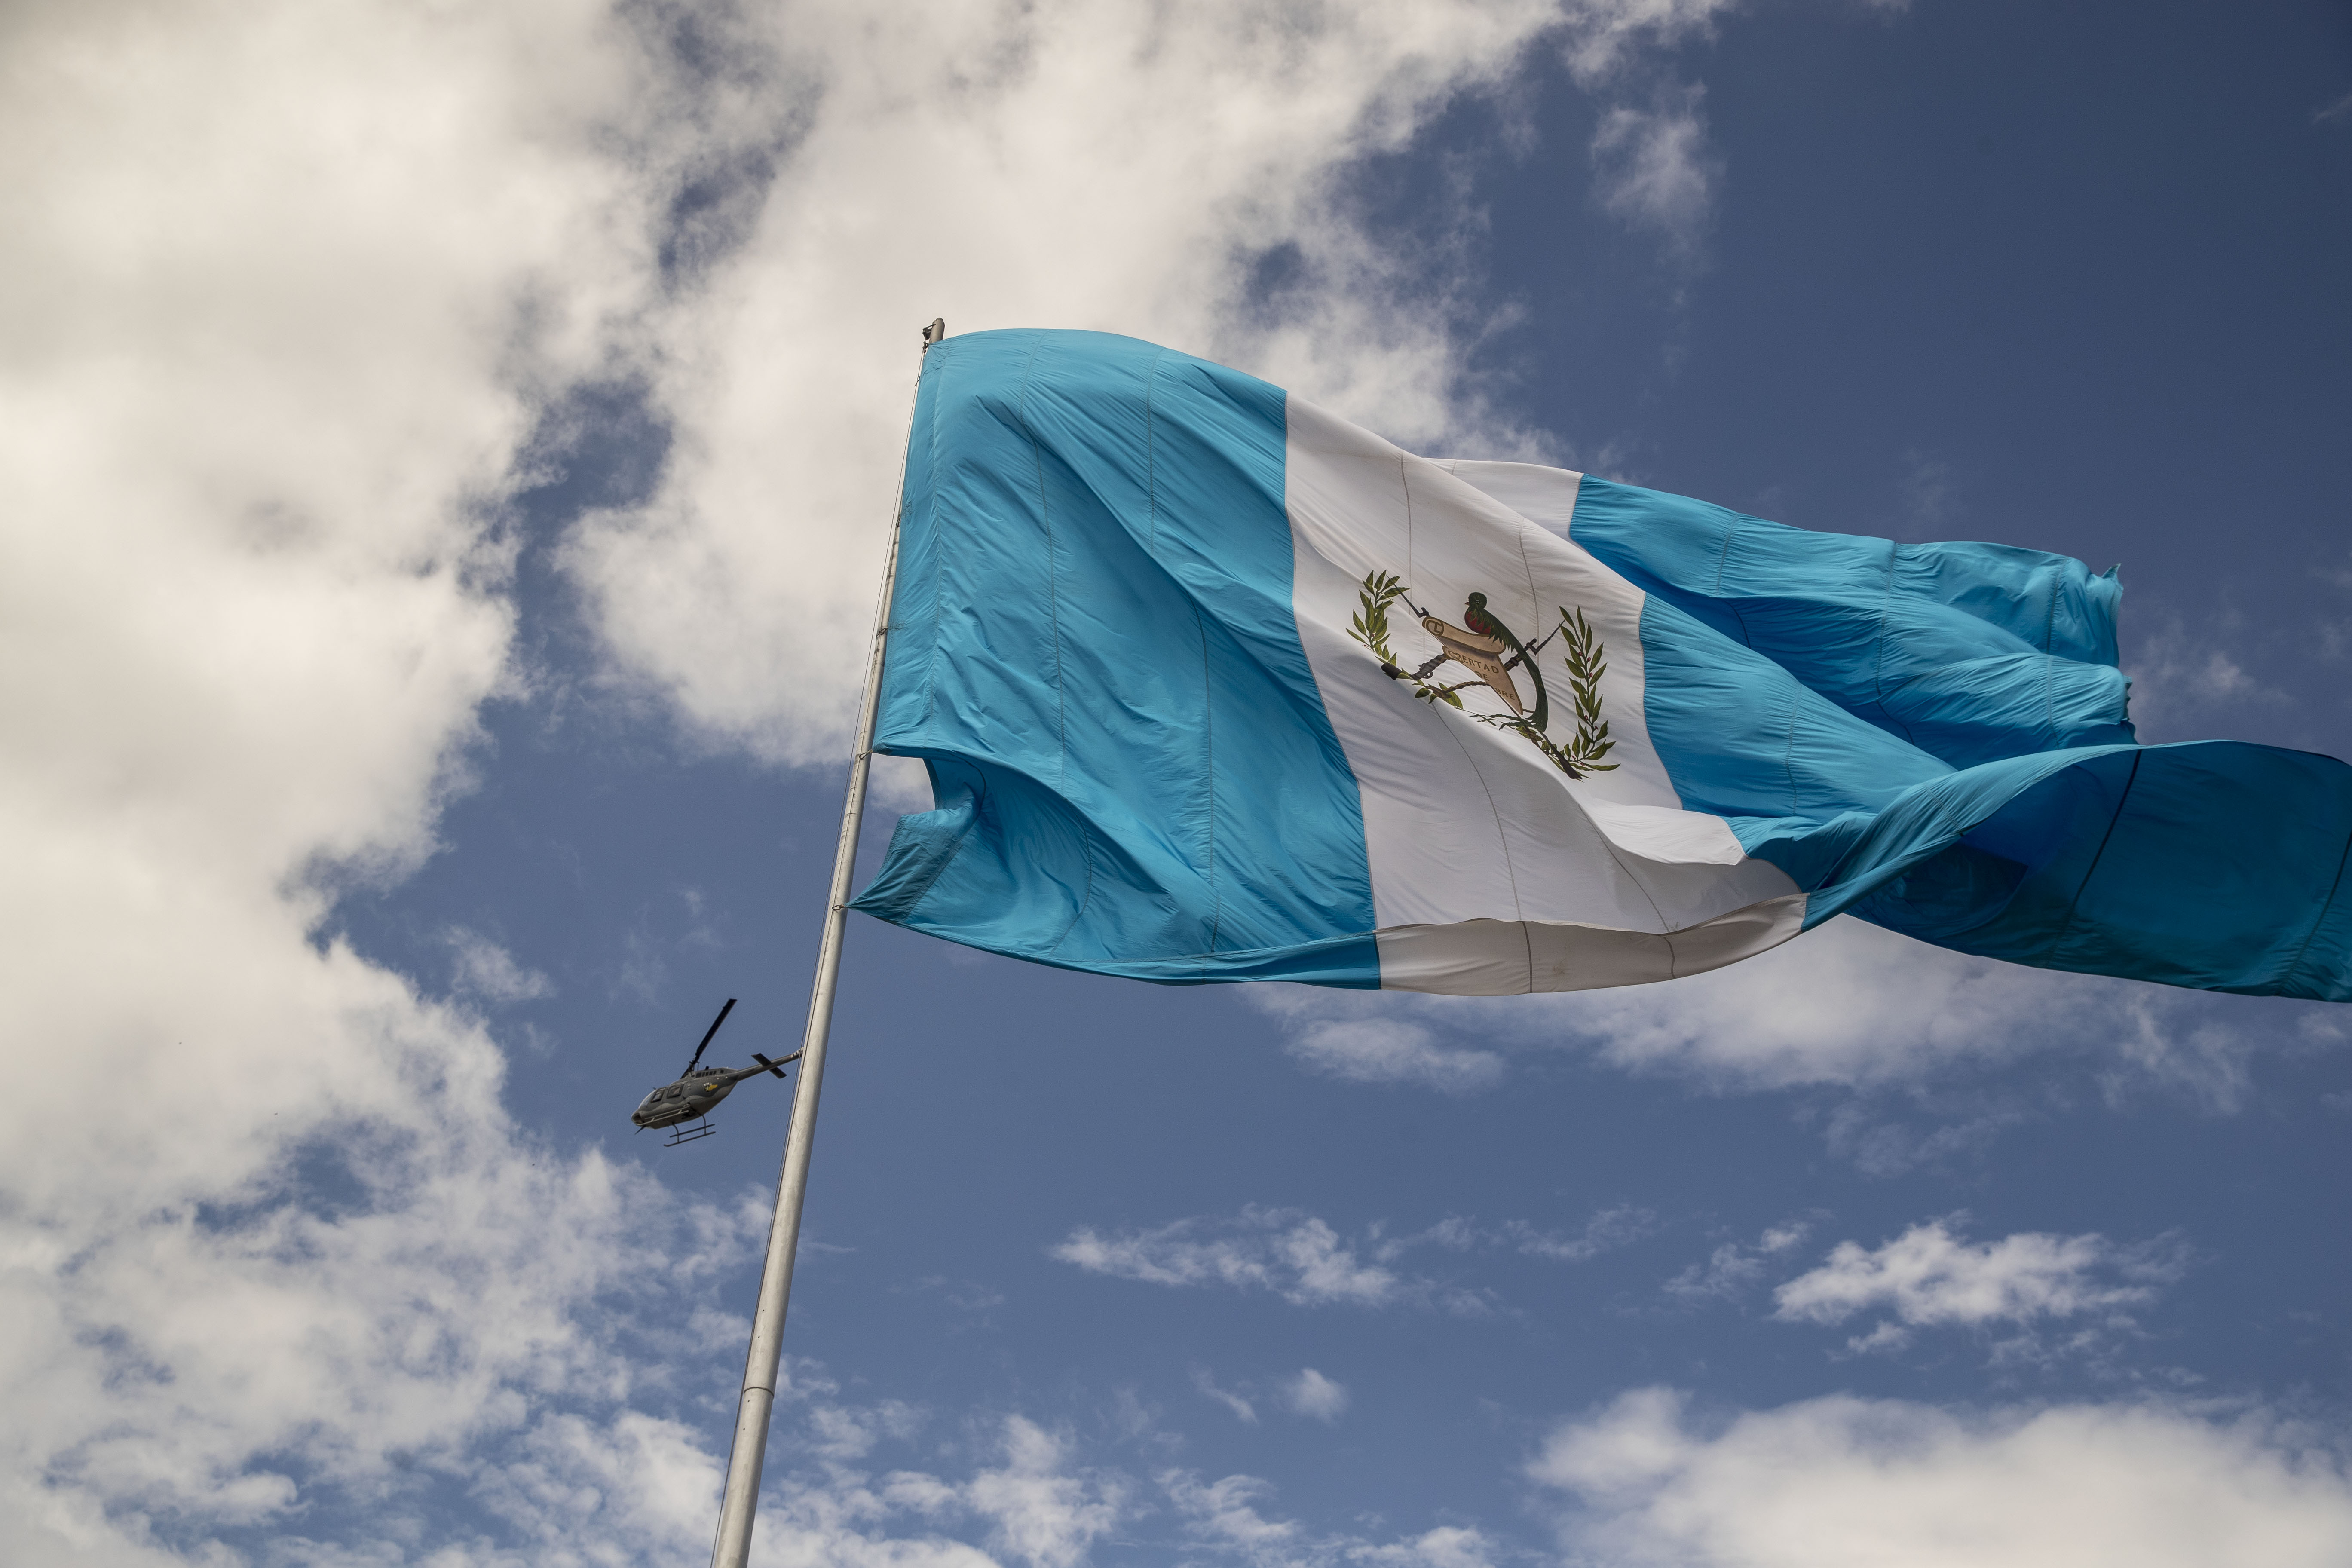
point(685, 1134)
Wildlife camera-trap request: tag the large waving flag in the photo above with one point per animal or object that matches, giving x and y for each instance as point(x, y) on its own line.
point(1214, 686)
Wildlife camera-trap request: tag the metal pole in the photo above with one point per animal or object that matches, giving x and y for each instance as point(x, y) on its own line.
point(734, 1546)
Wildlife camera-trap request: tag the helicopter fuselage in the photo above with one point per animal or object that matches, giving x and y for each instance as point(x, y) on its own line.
point(690, 1097)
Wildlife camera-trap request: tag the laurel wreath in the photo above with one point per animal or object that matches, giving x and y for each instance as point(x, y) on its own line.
point(1581, 650)
point(1586, 657)
point(1369, 626)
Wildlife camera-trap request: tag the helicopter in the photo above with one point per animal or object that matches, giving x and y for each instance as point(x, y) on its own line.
point(691, 1096)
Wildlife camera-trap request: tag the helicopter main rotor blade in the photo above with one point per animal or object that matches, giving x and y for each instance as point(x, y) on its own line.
point(696, 1058)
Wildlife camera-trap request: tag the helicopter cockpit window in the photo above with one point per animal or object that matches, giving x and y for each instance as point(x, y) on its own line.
point(676, 1093)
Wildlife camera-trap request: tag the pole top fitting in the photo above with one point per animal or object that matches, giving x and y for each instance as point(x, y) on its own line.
point(935, 332)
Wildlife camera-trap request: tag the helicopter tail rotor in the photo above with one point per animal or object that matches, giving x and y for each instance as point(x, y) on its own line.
point(697, 1059)
point(776, 1067)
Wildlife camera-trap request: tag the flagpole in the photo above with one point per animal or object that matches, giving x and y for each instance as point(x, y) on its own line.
point(733, 1546)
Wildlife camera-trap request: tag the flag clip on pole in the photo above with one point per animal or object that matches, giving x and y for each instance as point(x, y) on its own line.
point(733, 1547)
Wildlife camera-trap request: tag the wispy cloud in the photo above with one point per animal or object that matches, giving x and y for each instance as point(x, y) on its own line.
point(1292, 1254)
point(1734, 1268)
point(1207, 1386)
point(1226, 1517)
point(1653, 168)
point(482, 968)
point(1606, 39)
point(2190, 678)
point(1393, 1050)
point(1608, 1229)
point(1038, 1508)
point(1927, 498)
point(1885, 1141)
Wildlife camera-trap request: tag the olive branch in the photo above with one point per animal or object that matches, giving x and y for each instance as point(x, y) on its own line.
point(1587, 659)
point(1369, 626)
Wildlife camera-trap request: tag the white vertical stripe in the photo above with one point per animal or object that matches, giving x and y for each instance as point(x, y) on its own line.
point(1466, 823)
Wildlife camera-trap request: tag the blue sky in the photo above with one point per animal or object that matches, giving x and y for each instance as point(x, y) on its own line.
point(438, 552)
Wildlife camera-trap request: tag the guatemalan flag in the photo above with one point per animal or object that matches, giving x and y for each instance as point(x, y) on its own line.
point(1213, 686)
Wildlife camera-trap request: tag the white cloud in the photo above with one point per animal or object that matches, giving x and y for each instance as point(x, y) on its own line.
point(1029, 1499)
point(577, 1492)
point(1312, 1394)
point(1845, 1483)
point(1929, 1277)
point(1037, 1510)
point(1392, 1050)
point(1294, 1255)
point(287, 290)
point(1032, 1497)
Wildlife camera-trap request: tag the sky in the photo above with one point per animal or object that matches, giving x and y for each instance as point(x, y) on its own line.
point(446, 458)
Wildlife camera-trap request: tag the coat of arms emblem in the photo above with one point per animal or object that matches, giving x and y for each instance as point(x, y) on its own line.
point(1490, 651)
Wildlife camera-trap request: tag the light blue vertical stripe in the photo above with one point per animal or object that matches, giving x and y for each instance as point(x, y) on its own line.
point(1093, 646)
